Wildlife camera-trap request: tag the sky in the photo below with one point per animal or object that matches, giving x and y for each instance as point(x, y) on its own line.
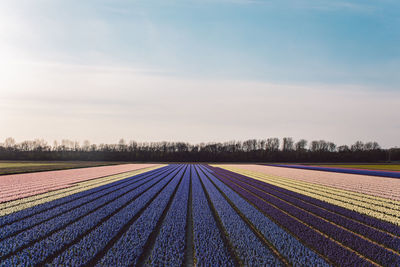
point(200, 70)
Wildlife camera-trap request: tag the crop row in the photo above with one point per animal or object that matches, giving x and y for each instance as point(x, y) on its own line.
point(187, 214)
point(65, 199)
point(314, 239)
point(66, 176)
point(291, 248)
point(390, 215)
point(321, 210)
point(24, 185)
point(336, 238)
point(138, 217)
point(361, 197)
point(70, 206)
point(169, 247)
point(209, 246)
point(32, 234)
point(32, 201)
point(386, 214)
point(249, 248)
point(379, 204)
point(138, 220)
point(388, 188)
point(390, 174)
point(48, 240)
point(377, 167)
point(21, 189)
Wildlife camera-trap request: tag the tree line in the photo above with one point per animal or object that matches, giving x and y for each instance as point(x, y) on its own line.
point(252, 150)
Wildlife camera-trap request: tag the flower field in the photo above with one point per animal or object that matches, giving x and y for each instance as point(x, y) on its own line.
point(379, 167)
point(17, 186)
point(14, 167)
point(383, 187)
point(373, 170)
point(195, 214)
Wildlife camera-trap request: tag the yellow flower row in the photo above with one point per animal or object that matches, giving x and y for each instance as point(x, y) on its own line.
point(314, 191)
point(24, 203)
point(375, 200)
point(380, 204)
point(93, 182)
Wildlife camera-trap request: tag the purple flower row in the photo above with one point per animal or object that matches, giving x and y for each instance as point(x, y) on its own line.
point(169, 247)
point(336, 253)
point(294, 207)
point(209, 247)
point(23, 214)
point(322, 209)
point(66, 209)
point(393, 174)
point(366, 248)
point(288, 246)
point(13, 243)
point(127, 250)
point(247, 245)
point(57, 241)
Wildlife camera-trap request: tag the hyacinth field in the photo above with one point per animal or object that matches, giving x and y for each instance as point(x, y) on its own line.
point(202, 215)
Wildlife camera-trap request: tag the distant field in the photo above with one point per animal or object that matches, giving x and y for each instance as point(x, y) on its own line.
point(13, 167)
point(383, 167)
point(197, 214)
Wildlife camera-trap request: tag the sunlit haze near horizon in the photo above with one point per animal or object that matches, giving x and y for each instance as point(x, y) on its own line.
point(200, 71)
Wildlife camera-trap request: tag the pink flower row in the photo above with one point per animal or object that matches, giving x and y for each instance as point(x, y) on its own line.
point(371, 185)
point(18, 186)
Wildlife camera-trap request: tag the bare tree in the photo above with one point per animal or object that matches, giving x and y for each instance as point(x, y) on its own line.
point(314, 146)
point(322, 146)
point(25, 146)
point(250, 145)
point(357, 146)
point(343, 148)
point(66, 145)
point(301, 145)
point(371, 146)
point(9, 143)
point(272, 144)
point(40, 144)
point(249, 150)
point(331, 147)
point(261, 144)
point(55, 145)
point(122, 145)
point(287, 144)
point(86, 145)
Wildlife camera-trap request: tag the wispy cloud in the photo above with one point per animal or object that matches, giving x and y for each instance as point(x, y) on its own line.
point(322, 5)
point(340, 5)
point(150, 106)
point(102, 71)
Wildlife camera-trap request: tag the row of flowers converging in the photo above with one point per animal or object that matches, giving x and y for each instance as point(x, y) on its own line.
point(203, 215)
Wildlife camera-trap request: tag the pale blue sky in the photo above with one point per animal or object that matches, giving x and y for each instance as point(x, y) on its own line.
point(200, 70)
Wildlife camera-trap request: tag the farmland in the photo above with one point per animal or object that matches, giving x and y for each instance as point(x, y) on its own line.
point(359, 171)
point(197, 214)
point(382, 167)
point(13, 167)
